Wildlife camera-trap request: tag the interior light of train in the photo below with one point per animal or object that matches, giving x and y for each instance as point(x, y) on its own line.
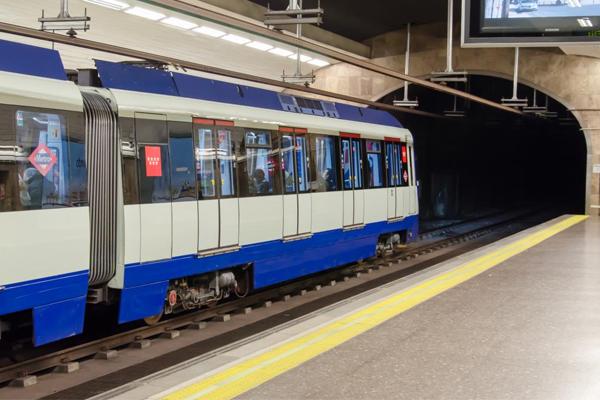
point(112, 4)
point(319, 63)
point(208, 31)
point(178, 23)
point(281, 52)
point(235, 39)
point(259, 46)
point(303, 58)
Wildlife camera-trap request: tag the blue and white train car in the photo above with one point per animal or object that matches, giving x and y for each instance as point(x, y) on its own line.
point(198, 190)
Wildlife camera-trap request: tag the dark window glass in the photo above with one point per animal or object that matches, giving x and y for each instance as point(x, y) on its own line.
point(346, 164)
point(129, 155)
point(183, 176)
point(206, 162)
point(226, 159)
point(374, 167)
point(357, 164)
point(287, 163)
point(9, 194)
point(302, 163)
point(403, 160)
point(42, 160)
point(325, 165)
point(153, 162)
point(77, 161)
point(259, 165)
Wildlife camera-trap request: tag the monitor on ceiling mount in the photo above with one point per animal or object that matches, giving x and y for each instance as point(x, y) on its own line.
point(510, 23)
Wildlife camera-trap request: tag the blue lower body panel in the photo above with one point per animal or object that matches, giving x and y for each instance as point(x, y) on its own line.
point(274, 262)
point(57, 304)
point(60, 320)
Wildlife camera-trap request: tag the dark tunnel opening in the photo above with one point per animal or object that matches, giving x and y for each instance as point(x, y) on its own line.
point(490, 160)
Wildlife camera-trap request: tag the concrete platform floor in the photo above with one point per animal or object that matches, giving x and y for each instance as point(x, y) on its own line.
point(527, 328)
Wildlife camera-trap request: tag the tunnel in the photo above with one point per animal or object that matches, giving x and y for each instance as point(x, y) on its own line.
point(482, 160)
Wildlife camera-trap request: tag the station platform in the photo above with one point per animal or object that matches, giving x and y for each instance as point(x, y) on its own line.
point(519, 318)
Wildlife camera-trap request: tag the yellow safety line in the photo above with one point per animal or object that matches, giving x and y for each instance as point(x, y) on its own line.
point(250, 373)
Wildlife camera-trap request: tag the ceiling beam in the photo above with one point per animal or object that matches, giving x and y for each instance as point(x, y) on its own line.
point(108, 48)
point(201, 12)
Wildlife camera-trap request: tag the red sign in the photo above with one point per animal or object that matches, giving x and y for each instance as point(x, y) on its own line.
point(43, 159)
point(404, 155)
point(405, 176)
point(153, 161)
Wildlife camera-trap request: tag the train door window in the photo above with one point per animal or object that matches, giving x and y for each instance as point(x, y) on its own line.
point(403, 159)
point(206, 163)
point(390, 164)
point(260, 164)
point(302, 164)
point(374, 168)
point(288, 166)
point(129, 156)
point(43, 160)
point(324, 159)
point(346, 164)
point(154, 168)
point(357, 164)
point(398, 166)
point(226, 161)
point(183, 177)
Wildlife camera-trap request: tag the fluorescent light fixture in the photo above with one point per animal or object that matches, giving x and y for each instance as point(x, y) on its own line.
point(260, 46)
point(208, 31)
point(318, 63)
point(144, 13)
point(281, 52)
point(178, 23)
point(585, 22)
point(235, 39)
point(303, 58)
point(112, 4)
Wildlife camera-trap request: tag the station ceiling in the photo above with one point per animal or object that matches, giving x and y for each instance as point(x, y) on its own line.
point(360, 20)
point(117, 27)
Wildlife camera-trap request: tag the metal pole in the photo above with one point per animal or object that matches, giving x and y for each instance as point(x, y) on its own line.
point(449, 38)
point(407, 60)
point(516, 74)
point(64, 8)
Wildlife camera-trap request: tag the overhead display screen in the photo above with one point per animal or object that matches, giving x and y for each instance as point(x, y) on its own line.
point(530, 22)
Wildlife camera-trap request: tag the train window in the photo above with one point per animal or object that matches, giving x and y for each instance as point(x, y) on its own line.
point(288, 166)
point(357, 164)
point(323, 157)
point(206, 163)
point(131, 194)
point(374, 169)
point(226, 158)
point(346, 164)
point(183, 176)
point(8, 150)
point(42, 160)
point(403, 159)
point(260, 164)
point(302, 165)
point(77, 165)
point(153, 162)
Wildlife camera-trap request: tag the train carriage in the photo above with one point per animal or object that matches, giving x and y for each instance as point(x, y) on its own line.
point(198, 190)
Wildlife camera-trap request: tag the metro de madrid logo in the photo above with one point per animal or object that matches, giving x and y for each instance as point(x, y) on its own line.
point(43, 159)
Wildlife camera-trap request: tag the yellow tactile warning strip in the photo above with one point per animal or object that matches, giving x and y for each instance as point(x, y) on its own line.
point(253, 371)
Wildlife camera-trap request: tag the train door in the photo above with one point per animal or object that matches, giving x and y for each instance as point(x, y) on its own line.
point(403, 191)
point(218, 204)
point(155, 186)
point(414, 197)
point(352, 172)
point(391, 165)
point(297, 207)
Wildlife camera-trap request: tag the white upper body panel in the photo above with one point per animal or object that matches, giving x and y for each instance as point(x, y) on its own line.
point(179, 109)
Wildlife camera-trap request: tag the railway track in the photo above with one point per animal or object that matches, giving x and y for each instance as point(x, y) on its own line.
point(430, 242)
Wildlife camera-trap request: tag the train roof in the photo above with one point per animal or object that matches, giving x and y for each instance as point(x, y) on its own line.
point(46, 63)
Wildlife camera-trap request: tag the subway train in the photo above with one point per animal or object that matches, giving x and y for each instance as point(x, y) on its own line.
point(155, 192)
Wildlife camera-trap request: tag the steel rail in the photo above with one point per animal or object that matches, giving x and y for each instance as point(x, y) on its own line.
point(204, 13)
point(109, 48)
